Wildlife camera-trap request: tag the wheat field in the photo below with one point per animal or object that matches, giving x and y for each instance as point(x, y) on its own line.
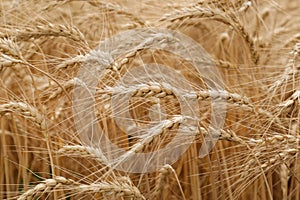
point(254, 47)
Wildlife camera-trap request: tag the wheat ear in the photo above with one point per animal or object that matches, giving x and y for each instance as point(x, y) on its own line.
point(121, 188)
point(24, 110)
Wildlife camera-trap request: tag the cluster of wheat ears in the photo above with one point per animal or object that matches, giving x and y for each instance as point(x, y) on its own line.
point(255, 46)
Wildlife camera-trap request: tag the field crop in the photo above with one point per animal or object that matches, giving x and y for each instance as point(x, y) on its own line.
point(143, 99)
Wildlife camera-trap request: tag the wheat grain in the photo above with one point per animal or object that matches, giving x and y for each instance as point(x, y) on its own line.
point(71, 62)
point(82, 151)
point(201, 12)
point(106, 188)
point(156, 131)
point(9, 48)
point(292, 69)
point(55, 30)
point(162, 181)
point(25, 110)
